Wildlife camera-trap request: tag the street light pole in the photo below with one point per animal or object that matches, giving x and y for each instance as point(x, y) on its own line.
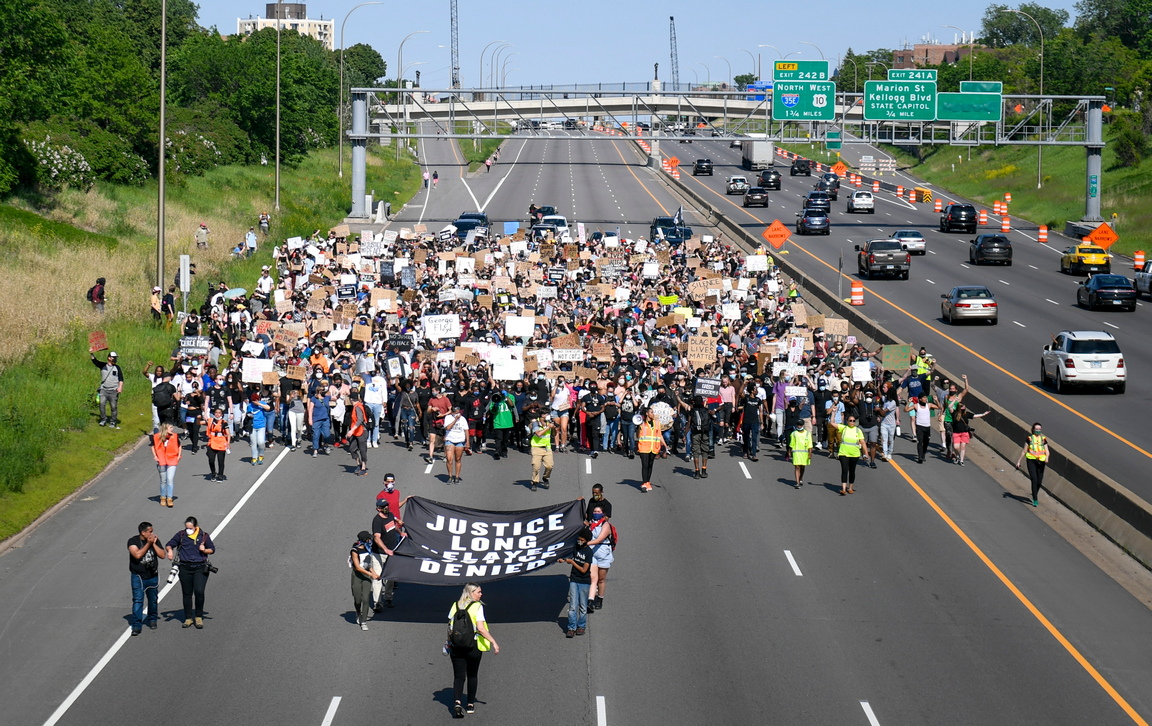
point(493, 77)
point(708, 74)
point(340, 103)
point(482, 53)
point(163, 148)
point(729, 65)
point(971, 45)
point(804, 42)
point(279, 22)
point(505, 65)
point(1040, 117)
point(400, 95)
point(755, 63)
point(855, 74)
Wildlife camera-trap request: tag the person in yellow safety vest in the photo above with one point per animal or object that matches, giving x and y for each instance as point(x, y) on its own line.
point(922, 364)
point(800, 446)
point(851, 441)
point(648, 445)
point(1036, 452)
point(793, 290)
point(540, 443)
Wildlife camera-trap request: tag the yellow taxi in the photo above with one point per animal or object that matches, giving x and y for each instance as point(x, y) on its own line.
point(1083, 258)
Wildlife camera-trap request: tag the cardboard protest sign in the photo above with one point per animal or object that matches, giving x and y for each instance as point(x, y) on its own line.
point(285, 338)
point(271, 378)
point(815, 321)
point(362, 333)
point(602, 351)
point(895, 357)
point(702, 349)
point(437, 327)
point(572, 340)
point(252, 369)
point(836, 326)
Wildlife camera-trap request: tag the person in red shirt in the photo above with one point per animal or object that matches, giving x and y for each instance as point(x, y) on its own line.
point(391, 495)
point(438, 406)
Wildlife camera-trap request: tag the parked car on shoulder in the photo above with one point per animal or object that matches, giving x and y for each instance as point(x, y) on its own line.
point(1107, 291)
point(1083, 358)
point(1084, 258)
point(990, 248)
point(969, 302)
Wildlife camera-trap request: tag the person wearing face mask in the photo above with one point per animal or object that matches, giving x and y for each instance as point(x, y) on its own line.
point(192, 545)
point(601, 545)
point(360, 560)
point(218, 442)
point(869, 422)
point(630, 405)
point(1036, 452)
point(502, 411)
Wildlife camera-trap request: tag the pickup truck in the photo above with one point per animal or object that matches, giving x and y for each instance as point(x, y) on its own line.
point(883, 257)
point(1143, 281)
point(736, 185)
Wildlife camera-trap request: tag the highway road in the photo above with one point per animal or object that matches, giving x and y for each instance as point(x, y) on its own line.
point(1035, 300)
point(930, 596)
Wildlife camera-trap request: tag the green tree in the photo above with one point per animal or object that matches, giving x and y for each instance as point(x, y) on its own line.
point(1130, 142)
point(1001, 27)
point(744, 79)
point(364, 67)
point(1129, 21)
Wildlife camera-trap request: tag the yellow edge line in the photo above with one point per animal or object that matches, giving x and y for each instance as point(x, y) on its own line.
point(642, 184)
point(1136, 718)
point(1013, 376)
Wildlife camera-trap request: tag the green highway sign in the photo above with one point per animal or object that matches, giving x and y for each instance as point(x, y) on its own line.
point(969, 106)
point(911, 74)
point(981, 87)
point(801, 70)
point(832, 141)
point(898, 101)
point(803, 100)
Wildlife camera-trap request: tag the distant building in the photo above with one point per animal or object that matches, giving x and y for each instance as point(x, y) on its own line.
point(928, 54)
point(291, 16)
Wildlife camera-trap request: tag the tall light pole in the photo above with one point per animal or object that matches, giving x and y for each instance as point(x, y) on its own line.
point(1040, 117)
point(163, 149)
point(869, 65)
point(401, 96)
point(769, 45)
point(708, 74)
point(729, 65)
point(855, 73)
point(971, 45)
point(504, 71)
point(279, 22)
point(505, 65)
point(695, 75)
point(493, 76)
point(482, 53)
point(755, 63)
point(340, 104)
point(804, 42)
point(414, 63)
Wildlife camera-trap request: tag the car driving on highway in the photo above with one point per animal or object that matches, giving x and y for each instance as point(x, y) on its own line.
point(736, 185)
point(832, 189)
point(861, 201)
point(969, 302)
point(990, 248)
point(1083, 358)
point(912, 240)
point(756, 197)
point(1084, 258)
point(958, 216)
point(818, 200)
point(813, 221)
point(1107, 291)
point(702, 166)
point(800, 166)
point(770, 179)
point(883, 257)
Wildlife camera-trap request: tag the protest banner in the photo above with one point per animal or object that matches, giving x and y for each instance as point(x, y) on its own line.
point(519, 326)
point(707, 387)
point(861, 371)
point(252, 369)
point(756, 263)
point(362, 333)
point(836, 326)
point(197, 345)
point(438, 327)
point(602, 351)
point(702, 349)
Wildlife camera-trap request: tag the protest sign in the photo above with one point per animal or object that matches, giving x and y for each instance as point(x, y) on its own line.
point(401, 342)
point(895, 357)
point(437, 327)
point(519, 326)
point(97, 341)
point(756, 263)
point(836, 326)
point(271, 378)
point(567, 355)
point(362, 333)
point(707, 387)
point(861, 371)
point(252, 369)
point(730, 311)
point(702, 349)
point(197, 345)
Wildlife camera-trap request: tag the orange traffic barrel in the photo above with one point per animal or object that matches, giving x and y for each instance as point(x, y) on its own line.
point(857, 292)
point(996, 207)
point(983, 216)
point(899, 190)
point(1005, 224)
point(938, 206)
point(1008, 197)
point(858, 181)
point(912, 195)
point(875, 186)
point(1043, 236)
point(1138, 261)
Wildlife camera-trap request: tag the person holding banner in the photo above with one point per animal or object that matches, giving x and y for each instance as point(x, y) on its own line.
point(579, 584)
point(540, 441)
point(363, 578)
point(466, 658)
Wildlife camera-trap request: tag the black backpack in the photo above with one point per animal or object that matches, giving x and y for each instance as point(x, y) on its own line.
point(162, 395)
point(462, 634)
point(699, 421)
point(91, 295)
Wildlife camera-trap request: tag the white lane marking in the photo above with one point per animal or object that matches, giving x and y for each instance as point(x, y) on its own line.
point(931, 252)
point(872, 720)
point(1034, 267)
point(927, 280)
point(601, 712)
point(428, 469)
point(1110, 325)
point(792, 561)
point(966, 267)
point(474, 199)
point(1022, 325)
point(1026, 235)
point(328, 717)
point(587, 466)
point(1004, 282)
point(1052, 301)
point(745, 470)
point(124, 636)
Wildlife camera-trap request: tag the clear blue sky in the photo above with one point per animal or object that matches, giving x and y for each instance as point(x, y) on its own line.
point(597, 41)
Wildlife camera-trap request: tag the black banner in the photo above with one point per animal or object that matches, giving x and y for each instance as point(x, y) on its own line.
point(401, 342)
point(451, 545)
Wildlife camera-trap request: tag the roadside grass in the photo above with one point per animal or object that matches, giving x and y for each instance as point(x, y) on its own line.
point(993, 171)
point(475, 153)
point(49, 444)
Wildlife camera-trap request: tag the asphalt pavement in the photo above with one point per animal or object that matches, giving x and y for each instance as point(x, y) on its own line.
point(929, 596)
point(1035, 299)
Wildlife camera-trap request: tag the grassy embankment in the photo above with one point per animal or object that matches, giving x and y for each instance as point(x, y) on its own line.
point(992, 171)
point(476, 152)
point(49, 443)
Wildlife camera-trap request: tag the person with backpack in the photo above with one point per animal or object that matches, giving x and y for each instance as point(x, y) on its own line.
point(700, 423)
point(603, 542)
point(111, 386)
point(468, 640)
point(360, 560)
point(166, 399)
point(96, 295)
point(502, 410)
point(579, 582)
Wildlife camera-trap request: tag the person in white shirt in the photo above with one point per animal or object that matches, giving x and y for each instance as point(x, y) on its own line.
point(265, 284)
point(375, 394)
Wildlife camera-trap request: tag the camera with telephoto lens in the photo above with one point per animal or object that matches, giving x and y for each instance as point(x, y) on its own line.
point(173, 573)
point(209, 568)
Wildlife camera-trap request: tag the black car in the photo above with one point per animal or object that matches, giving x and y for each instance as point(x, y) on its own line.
point(813, 221)
point(464, 226)
point(481, 217)
point(1107, 291)
point(958, 216)
point(818, 200)
point(702, 166)
point(770, 179)
point(990, 248)
point(756, 197)
point(800, 166)
point(831, 177)
point(832, 189)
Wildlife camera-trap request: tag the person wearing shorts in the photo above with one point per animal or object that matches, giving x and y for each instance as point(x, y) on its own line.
point(962, 430)
point(601, 557)
point(455, 442)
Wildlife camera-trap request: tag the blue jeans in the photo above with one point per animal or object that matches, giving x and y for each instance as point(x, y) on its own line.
point(751, 438)
point(629, 435)
point(408, 425)
point(167, 480)
point(257, 442)
point(149, 585)
point(578, 604)
point(376, 410)
point(611, 433)
point(321, 431)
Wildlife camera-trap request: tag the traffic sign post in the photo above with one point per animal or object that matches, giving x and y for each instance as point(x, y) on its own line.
point(801, 70)
point(899, 101)
point(776, 234)
point(803, 101)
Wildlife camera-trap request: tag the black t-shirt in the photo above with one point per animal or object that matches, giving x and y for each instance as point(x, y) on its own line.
point(388, 530)
point(604, 504)
point(752, 405)
point(594, 405)
point(146, 566)
point(581, 556)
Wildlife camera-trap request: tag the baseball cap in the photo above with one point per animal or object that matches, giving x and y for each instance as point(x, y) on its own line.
point(113, 355)
point(381, 503)
point(364, 535)
point(265, 268)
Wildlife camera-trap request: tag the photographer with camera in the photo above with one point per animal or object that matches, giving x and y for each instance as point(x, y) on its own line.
point(190, 548)
point(145, 553)
point(540, 431)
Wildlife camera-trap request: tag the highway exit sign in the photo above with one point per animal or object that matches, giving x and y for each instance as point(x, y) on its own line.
point(804, 101)
point(911, 74)
point(801, 70)
point(900, 101)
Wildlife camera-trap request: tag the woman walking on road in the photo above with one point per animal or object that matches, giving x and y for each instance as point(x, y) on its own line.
point(1036, 451)
point(192, 545)
point(166, 451)
point(648, 444)
point(455, 441)
point(601, 557)
point(218, 442)
point(435, 179)
point(851, 439)
point(362, 576)
point(467, 644)
point(962, 430)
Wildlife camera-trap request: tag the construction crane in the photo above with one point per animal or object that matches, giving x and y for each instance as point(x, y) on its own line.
point(675, 54)
point(455, 47)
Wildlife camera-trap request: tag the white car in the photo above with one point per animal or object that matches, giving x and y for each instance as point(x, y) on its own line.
point(861, 201)
point(559, 222)
point(912, 240)
point(1083, 358)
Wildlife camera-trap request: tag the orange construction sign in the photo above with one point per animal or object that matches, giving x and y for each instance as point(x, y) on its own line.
point(839, 168)
point(776, 234)
point(674, 161)
point(1103, 236)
